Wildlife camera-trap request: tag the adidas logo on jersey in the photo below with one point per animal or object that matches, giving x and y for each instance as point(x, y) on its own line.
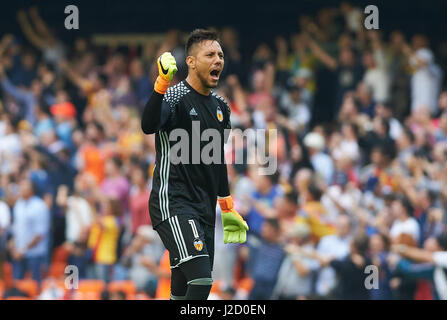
point(193, 112)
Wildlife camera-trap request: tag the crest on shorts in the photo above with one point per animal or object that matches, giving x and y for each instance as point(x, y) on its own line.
point(198, 244)
point(219, 114)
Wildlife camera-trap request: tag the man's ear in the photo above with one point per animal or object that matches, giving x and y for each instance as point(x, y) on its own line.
point(191, 62)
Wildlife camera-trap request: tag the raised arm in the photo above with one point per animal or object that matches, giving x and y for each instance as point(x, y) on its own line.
point(281, 54)
point(40, 24)
point(416, 254)
point(269, 77)
point(324, 57)
point(27, 29)
point(75, 77)
point(238, 92)
point(5, 42)
point(156, 112)
point(18, 94)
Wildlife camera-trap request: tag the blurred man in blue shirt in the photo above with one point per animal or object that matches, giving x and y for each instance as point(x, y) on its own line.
point(30, 231)
point(262, 201)
point(266, 261)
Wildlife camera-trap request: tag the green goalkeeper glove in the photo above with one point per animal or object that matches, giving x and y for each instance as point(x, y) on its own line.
point(167, 68)
point(234, 227)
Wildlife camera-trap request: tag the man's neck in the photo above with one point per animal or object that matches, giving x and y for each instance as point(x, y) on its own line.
point(196, 84)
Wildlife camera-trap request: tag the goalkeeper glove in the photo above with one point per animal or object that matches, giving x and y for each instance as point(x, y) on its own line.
point(234, 227)
point(166, 69)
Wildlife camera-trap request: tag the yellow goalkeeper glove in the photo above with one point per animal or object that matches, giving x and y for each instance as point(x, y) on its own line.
point(234, 227)
point(167, 68)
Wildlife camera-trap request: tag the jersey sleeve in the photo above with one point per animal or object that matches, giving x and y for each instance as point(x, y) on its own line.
point(224, 188)
point(169, 113)
point(162, 111)
point(155, 113)
point(173, 105)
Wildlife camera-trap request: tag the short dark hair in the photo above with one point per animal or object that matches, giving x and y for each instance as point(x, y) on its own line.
point(406, 204)
point(386, 124)
point(116, 207)
point(386, 240)
point(199, 35)
point(409, 134)
point(361, 243)
point(273, 222)
point(117, 161)
point(291, 196)
point(274, 177)
point(98, 126)
point(315, 191)
point(386, 147)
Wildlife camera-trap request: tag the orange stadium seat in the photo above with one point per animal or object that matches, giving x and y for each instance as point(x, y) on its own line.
point(89, 290)
point(217, 287)
point(164, 285)
point(246, 284)
point(126, 286)
point(29, 286)
point(18, 298)
point(2, 288)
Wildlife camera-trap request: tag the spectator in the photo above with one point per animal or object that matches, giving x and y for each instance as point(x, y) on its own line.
point(5, 223)
point(262, 201)
point(104, 237)
point(426, 79)
point(385, 111)
point(267, 261)
point(27, 98)
point(91, 154)
point(142, 258)
point(365, 99)
point(315, 213)
point(321, 162)
point(351, 270)
point(297, 112)
point(297, 271)
point(139, 197)
point(333, 246)
point(441, 133)
point(436, 258)
point(115, 183)
point(375, 77)
point(78, 220)
point(348, 72)
point(379, 245)
point(140, 82)
point(379, 136)
point(404, 222)
point(30, 233)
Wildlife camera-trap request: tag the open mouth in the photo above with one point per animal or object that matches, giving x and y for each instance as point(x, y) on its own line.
point(215, 74)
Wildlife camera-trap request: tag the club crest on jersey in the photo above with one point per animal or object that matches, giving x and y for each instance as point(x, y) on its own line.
point(219, 114)
point(198, 244)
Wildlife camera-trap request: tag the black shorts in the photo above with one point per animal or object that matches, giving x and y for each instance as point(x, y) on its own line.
point(186, 238)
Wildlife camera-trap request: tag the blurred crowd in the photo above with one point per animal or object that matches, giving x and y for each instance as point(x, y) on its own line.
point(361, 117)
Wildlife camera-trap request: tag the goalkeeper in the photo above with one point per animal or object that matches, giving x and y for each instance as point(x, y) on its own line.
point(185, 189)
